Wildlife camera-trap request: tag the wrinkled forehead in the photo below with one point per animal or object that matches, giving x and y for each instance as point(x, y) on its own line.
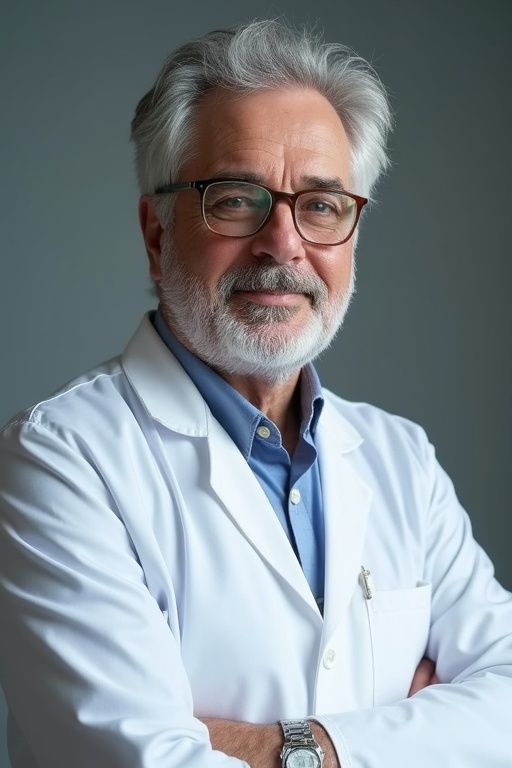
point(284, 130)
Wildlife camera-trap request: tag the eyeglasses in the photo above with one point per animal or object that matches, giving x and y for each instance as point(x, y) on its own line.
point(239, 209)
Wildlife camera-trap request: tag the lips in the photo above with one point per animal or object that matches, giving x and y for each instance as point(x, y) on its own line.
point(272, 298)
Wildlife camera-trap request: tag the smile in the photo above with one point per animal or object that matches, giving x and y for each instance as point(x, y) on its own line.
point(273, 298)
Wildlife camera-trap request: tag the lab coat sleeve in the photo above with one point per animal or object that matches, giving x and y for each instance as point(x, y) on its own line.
point(91, 671)
point(466, 721)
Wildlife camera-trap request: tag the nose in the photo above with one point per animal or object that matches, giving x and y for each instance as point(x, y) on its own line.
point(279, 238)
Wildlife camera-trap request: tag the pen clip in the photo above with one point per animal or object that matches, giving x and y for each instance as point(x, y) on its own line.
point(367, 584)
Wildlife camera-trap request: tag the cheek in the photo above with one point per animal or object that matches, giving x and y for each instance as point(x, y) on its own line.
point(189, 227)
point(189, 231)
point(192, 242)
point(335, 270)
point(204, 254)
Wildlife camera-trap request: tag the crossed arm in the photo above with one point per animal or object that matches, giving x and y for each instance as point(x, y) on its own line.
point(260, 745)
point(52, 649)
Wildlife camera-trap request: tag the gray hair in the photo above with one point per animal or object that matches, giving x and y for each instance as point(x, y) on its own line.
point(260, 55)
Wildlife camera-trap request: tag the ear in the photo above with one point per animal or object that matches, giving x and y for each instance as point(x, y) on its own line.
point(152, 233)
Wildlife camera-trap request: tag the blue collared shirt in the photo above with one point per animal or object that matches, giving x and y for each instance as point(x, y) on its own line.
point(292, 484)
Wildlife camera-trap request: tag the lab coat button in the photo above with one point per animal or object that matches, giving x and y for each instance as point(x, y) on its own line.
point(329, 659)
point(263, 432)
point(295, 496)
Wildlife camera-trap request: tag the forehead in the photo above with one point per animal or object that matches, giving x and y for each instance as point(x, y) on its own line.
point(285, 133)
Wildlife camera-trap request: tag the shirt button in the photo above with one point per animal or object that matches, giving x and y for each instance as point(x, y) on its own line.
point(263, 432)
point(329, 659)
point(295, 496)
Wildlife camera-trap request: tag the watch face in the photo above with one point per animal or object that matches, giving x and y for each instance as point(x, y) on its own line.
point(303, 758)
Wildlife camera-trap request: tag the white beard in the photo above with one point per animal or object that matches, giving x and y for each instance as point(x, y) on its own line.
point(257, 341)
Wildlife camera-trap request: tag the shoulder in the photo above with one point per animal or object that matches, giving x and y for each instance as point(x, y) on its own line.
point(365, 416)
point(388, 434)
point(394, 457)
point(93, 385)
point(93, 401)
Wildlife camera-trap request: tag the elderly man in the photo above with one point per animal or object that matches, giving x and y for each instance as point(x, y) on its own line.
point(207, 559)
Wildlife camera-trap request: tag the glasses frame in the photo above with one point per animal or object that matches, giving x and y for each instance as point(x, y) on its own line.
point(289, 197)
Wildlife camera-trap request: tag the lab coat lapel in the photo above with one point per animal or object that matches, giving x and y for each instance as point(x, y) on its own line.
point(245, 502)
point(346, 502)
point(150, 367)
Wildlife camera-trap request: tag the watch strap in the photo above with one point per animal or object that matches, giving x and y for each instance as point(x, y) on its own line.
point(298, 737)
point(297, 733)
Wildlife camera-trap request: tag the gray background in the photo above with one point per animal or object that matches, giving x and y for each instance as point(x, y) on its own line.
point(429, 333)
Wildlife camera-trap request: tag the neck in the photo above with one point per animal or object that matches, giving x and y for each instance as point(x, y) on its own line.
point(279, 402)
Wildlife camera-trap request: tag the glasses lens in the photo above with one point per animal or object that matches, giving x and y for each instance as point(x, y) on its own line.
point(325, 217)
point(235, 208)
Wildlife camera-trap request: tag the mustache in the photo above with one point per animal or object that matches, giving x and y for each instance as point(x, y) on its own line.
point(261, 277)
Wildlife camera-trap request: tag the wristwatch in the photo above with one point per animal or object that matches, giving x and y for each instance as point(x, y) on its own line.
point(300, 748)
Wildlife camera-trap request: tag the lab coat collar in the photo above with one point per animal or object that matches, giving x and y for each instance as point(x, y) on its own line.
point(343, 436)
point(161, 383)
point(150, 368)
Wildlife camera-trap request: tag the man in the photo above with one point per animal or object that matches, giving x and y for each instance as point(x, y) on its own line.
point(208, 560)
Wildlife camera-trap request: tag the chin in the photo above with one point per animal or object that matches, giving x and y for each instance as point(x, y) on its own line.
point(272, 352)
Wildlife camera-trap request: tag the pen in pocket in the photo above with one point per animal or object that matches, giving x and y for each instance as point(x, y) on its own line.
point(366, 580)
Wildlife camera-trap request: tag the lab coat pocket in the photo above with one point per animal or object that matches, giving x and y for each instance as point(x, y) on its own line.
point(399, 622)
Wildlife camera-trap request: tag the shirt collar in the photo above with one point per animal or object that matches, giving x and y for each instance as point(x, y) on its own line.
point(237, 415)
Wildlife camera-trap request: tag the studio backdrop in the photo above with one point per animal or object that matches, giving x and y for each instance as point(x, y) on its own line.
point(429, 332)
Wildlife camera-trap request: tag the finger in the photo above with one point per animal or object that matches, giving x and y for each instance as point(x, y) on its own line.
point(424, 676)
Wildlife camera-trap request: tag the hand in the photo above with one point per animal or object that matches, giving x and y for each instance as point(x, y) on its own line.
point(424, 676)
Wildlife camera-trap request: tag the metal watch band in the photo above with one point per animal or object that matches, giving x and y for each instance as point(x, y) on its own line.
point(300, 747)
point(297, 733)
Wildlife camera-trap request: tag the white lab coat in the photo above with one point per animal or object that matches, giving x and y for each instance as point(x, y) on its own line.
point(146, 580)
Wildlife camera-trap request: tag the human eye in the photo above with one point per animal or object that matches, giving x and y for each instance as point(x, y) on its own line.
point(231, 201)
point(321, 206)
point(325, 207)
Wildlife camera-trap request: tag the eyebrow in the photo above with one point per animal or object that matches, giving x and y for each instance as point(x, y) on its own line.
point(310, 182)
point(322, 182)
